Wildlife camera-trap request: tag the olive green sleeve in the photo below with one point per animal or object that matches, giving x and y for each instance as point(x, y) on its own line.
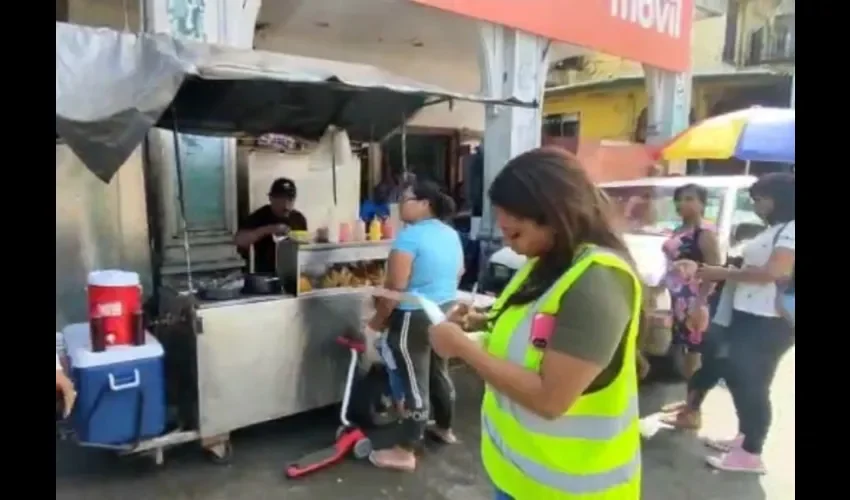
point(594, 315)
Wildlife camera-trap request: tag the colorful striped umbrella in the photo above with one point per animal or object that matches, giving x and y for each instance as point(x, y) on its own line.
point(754, 134)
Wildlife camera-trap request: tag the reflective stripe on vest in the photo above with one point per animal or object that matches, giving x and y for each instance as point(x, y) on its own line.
point(574, 483)
point(574, 427)
point(588, 427)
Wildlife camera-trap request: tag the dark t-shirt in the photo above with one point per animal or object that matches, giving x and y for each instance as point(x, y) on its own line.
point(264, 248)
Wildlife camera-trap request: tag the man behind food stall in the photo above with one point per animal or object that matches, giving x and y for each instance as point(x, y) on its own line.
point(278, 217)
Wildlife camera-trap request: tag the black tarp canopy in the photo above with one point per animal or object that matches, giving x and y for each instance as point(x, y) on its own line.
point(112, 87)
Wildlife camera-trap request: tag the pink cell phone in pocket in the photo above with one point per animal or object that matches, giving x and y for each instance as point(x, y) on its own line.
point(542, 327)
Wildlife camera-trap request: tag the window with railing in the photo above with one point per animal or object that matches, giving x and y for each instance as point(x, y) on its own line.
point(756, 40)
point(773, 43)
point(561, 125)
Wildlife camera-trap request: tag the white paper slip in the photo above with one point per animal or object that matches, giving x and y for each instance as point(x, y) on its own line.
point(478, 300)
point(431, 309)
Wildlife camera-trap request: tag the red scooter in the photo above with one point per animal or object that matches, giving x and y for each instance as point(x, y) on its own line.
point(349, 438)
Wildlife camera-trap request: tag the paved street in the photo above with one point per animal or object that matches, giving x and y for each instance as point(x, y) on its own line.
point(673, 462)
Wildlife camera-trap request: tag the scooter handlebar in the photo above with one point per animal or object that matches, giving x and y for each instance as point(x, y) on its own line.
point(352, 343)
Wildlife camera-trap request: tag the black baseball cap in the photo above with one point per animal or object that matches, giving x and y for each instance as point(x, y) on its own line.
point(283, 188)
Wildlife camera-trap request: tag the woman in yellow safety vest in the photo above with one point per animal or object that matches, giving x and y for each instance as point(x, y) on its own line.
point(560, 412)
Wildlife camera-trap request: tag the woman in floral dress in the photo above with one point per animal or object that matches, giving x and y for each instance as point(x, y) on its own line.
point(695, 240)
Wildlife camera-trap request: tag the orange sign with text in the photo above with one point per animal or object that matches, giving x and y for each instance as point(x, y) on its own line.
point(654, 32)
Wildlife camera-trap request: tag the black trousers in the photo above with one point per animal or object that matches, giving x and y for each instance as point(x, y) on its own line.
point(746, 355)
point(715, 352)
point(423, 376)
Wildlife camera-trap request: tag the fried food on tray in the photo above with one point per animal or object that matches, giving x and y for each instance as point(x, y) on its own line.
point(345, 277)
point(304, 284)
point(353, 275)
point(331, 279)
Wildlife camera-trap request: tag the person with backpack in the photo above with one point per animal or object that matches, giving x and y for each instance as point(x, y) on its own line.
point(754, 335)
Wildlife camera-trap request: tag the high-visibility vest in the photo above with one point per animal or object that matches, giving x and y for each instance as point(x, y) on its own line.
point(592, 452)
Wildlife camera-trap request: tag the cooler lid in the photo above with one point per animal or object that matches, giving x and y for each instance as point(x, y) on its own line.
point(113, 278)
point(78, 344)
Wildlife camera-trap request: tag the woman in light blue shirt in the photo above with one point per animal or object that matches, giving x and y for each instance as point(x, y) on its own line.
point(427, 260)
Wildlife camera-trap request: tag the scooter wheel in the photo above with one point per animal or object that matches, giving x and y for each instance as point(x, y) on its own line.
point(362, 449)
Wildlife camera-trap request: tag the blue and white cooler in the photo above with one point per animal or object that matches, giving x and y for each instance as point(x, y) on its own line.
point(120, 391)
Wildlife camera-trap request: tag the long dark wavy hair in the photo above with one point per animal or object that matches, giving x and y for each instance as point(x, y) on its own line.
point(550, 187)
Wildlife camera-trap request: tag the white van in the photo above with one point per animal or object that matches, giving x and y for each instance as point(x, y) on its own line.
point(728, 206)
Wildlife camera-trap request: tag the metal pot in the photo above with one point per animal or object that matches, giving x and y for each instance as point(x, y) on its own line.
point(262, 284)
point(227, 288)
point(219, 293)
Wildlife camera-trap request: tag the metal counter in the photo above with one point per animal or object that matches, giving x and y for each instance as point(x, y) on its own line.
point(267, 357)
point(263, 359)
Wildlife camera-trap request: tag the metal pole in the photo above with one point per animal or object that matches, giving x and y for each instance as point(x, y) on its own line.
point(333, 163)
point(181, 199)
point(404, 149)
point(793, 89)
point(146, 24)
point(793, 98)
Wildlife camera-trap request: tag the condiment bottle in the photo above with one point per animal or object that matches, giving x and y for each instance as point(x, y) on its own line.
point(333, 226)
point(387, 229)
point(322, 235)
point(344, 232)
point(98, 334)
point(359, 230)
point(375, 230)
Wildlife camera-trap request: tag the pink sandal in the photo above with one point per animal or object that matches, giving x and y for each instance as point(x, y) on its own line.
point(683, 419)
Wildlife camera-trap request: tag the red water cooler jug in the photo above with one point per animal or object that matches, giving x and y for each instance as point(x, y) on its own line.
point(115, 301)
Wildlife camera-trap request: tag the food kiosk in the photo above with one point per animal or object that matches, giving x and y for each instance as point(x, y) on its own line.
point(233, 360)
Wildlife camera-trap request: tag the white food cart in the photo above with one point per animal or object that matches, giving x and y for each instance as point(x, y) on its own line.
point(247, 359)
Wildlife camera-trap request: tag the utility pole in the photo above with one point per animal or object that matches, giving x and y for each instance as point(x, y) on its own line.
point(793, 88)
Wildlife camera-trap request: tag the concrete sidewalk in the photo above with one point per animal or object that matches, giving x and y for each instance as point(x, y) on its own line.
point(673, 462)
